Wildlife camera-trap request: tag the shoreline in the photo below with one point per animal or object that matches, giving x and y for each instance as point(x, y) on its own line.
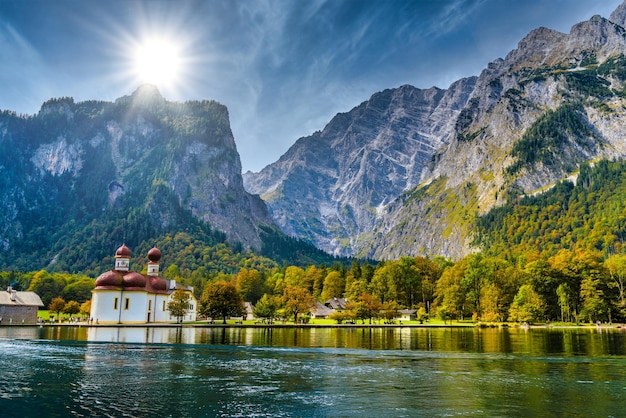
point(306, 326)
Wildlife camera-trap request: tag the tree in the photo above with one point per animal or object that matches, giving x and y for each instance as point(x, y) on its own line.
point(85, 308)
point(383, 284)
point(616, 266)
point(57, 305)
point(220, 299)
point(266, 307)
point(449, 292)
point(79, 290)
point(296, 300)
point(527, 306)
point(563, 293)
point(389, 311)
point(333, 286)
point(46, 286)
point(250, 285)
point(179, 305)
point(366, 307)
point(71, 308)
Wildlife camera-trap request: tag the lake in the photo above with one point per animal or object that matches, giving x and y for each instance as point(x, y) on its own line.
point(312, 372)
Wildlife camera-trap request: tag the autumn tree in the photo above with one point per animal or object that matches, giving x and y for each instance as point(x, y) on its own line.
point(296, 300)
point(365, 307)
point(179, 305)
point(220, 299)
point(85, 308)
point(57, 305)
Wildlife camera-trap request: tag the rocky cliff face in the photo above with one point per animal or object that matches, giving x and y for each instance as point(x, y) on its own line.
point(73, 163)
point(406, 172)
point(330, 188)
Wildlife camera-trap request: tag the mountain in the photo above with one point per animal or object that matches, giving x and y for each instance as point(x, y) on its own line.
point(409, 171)
point(331, 187)
point(78, 179)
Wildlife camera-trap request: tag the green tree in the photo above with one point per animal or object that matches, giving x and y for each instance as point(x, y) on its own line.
point(616, 267)
point(79, 290)
point(250, 285)
point(220, 299)
point(527, 306)
point(46, 286)
point(179, 305)
point(266, 307)
point(333, 286)
point(383, 285)
point(450, 295)
point(71, 308)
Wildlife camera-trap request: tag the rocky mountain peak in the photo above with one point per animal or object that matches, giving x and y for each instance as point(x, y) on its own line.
point(619, 15)
point(406, 171)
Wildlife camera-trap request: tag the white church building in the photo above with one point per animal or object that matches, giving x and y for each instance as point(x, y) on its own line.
point(122, 296)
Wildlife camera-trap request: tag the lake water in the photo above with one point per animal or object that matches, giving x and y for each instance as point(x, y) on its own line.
point(312, 372)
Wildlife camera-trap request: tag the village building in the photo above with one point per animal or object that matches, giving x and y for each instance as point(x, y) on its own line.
point(18, 307)
point(122, 296)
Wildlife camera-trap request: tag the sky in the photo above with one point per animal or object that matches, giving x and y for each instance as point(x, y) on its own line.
point(283, 68)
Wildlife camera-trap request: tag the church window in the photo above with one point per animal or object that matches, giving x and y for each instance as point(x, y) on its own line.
point(115, 304)
point(126, 303)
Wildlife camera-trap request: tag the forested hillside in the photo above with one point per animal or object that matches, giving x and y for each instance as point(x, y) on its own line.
point(589, 215)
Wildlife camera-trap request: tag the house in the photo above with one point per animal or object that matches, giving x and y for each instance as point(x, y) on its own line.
point(338, 304)
point(122, 296)
point(407, 314)
point(320, 311)
point(19, 307)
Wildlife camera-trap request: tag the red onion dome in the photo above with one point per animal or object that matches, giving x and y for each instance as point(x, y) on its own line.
point(134, 279)
point(157, 284)
point(154, 255)
point(109, 279)
point(123, 252)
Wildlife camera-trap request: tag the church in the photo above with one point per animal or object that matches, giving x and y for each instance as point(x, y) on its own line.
point(122, 296)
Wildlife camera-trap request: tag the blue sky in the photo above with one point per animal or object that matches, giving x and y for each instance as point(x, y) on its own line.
point(284, 68)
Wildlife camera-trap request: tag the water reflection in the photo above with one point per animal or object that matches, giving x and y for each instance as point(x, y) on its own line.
point(189, 372)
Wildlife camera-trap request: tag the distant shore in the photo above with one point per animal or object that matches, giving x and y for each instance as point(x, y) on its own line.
point(309, 325)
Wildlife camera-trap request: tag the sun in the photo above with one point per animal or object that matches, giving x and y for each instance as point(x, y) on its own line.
point(158, 62)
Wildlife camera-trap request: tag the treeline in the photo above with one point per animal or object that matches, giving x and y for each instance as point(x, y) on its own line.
point(572, 286)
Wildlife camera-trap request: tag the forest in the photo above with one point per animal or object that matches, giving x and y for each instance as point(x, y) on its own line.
point(557, 256)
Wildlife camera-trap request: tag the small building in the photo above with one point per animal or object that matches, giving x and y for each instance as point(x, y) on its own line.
point(122, 296)
point(19, 307)
point(320, 311)
point(407, 314)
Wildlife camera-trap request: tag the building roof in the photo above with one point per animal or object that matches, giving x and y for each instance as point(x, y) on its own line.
point(407, 311)
point(21, 299)
point(320, 310)
point(336, 303)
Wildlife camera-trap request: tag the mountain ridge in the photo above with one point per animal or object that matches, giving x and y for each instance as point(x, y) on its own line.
point(488, 151)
